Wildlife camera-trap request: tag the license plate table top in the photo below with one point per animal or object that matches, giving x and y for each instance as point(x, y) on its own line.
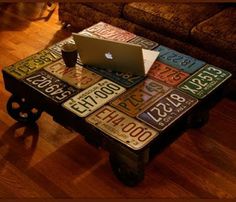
point(121, 112)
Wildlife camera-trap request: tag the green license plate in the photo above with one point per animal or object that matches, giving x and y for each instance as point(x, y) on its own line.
point(93, 97)
point(204, 81)
point(32, 63)
point(167, 110)
point(57, 47)
point(126, 80)
point(77, 76)
point(135, 99)
point(121, 127)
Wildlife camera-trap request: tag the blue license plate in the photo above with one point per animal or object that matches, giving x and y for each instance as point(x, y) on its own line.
point(179, 60)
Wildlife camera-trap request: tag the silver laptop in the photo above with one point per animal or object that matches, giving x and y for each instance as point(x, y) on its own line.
point(116, 56)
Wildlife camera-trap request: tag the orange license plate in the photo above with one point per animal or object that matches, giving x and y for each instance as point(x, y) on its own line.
point(135, 99)
point(121, 127)
point(167, 74)
point(77, 76)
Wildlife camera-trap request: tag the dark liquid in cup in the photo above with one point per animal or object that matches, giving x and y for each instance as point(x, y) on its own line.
point(69, 54)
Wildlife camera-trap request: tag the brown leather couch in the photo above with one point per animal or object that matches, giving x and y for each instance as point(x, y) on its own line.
point(205, 31)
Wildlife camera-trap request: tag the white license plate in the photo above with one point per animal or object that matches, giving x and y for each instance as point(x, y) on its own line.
point(93, 97)
point(77, 76)
point(121, 127)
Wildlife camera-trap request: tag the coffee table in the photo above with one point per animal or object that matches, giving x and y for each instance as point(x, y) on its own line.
point(132, 117)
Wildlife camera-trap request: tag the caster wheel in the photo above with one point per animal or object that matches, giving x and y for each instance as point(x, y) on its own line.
point(21, 111)
point(127, 175)
point(198, 119)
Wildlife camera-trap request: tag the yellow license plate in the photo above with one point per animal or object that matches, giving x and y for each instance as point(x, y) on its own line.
point(135, 99)
point(77, 76)
point(32, 63)
point(121, 127)
point(93, 97)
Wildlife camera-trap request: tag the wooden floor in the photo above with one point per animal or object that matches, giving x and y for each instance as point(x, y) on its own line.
point(50, 161)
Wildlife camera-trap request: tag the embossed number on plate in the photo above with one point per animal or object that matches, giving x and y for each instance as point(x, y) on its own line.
point(135, 99)
point(32, 63)
point(144, 42)
point(204, 81)
point(108, 31)
point(167, 74)
point(77, 76)
point(121, 127)
point(127, 80)
point(179, 60)
point(50, 86)
point(169, 108)
point(93, 97)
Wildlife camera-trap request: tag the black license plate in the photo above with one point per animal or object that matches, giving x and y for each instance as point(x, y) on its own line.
point(50, 86)
point(168, 109)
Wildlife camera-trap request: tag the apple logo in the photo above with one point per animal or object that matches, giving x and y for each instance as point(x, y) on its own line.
point(109, 56)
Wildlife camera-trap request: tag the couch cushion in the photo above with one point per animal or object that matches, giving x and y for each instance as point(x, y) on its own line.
point(220, 39)
point(112, 9)
point(173, 18)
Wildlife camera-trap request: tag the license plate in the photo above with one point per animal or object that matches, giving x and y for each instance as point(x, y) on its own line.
point(86, 33)
point(204, 81)
point(50, 86)
point(110, 32)
point(126, 80)
point(121, 127)
point(93, 97)
point(77, 76)
point(135, 99)
point(144, 42)
point(167, 74)
point(164, 112)
point(32, 63)
point(57, 47)
point(178, 60)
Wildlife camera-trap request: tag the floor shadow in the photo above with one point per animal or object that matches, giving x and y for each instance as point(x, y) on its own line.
point(18, 16)
point(16, 142)
point(60, 35)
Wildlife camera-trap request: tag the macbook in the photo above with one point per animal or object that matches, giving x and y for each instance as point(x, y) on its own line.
point(112, 55)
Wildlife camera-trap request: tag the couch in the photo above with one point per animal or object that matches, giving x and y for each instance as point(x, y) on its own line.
point(206, 31)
